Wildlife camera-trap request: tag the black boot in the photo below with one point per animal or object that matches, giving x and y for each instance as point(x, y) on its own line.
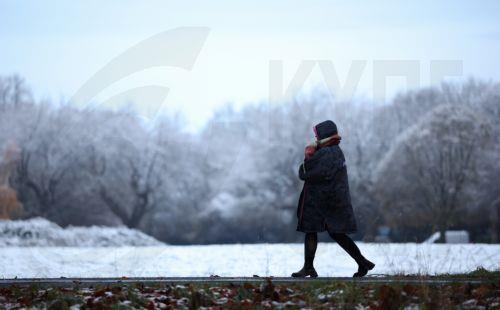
point(310, 245)
point(352, 249)
point(363, 268)
point(304, 272)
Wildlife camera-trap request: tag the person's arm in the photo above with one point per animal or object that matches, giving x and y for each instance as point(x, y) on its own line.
point(319, 168)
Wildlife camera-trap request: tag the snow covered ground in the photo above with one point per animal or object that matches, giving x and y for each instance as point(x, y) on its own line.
point(39, 248)
point(240, 260)
point(41, 232)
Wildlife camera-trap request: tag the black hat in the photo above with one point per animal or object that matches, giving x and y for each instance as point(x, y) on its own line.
point(325, 129)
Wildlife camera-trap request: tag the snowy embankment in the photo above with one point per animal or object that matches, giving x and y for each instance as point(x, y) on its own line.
point(41, 232)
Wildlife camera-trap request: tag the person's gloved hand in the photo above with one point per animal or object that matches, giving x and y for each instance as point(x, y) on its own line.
point(309, 151)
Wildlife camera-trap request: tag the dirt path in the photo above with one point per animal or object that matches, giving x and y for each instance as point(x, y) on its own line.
point(62, 282)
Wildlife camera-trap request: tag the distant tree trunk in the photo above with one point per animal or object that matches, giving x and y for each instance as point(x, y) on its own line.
point(495, 220)
point(143, 184)
point(442, 235)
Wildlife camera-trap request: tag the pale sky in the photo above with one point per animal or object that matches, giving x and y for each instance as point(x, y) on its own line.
point(58, 45)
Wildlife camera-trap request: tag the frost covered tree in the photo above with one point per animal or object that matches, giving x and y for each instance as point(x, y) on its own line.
point(188, 184)
point(486, 219)
point(34, 129)
point(425, 176)
point(14, 92)
point(124, 161)
point(48, 162)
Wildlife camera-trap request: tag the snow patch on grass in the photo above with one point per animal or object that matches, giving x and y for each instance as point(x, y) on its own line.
point(41, 232)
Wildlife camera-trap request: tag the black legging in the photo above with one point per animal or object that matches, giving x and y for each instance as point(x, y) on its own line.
point(311, 243)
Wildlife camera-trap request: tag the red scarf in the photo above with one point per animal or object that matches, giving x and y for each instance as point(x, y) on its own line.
point(311, 148)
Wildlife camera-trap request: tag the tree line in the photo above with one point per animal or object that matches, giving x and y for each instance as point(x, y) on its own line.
point(426, 161)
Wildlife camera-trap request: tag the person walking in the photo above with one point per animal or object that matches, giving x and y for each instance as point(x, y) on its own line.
point(325, 202)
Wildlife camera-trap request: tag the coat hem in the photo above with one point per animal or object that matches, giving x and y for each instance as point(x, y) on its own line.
point(338, 231)
point(310, 230)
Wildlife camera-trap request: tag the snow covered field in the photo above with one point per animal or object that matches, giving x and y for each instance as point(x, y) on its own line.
point(240, 260)
point(39, 248)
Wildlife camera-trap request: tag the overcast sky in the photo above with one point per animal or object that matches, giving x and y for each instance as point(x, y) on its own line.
point(58, 45)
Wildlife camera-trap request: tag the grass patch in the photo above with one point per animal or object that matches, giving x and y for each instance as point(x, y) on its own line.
point(322, 294)
point(479, 273)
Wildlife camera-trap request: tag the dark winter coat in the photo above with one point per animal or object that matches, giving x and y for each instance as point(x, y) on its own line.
point(325, 199)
